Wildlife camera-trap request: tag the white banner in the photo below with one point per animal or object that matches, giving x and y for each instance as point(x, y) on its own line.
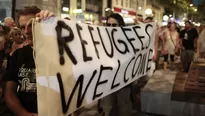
point(78, 63)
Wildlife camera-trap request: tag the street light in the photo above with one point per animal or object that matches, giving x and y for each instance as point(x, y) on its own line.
point(66, 9)
point(148, 11)
point(165, 18)
point(191, 5)
point(195, 9)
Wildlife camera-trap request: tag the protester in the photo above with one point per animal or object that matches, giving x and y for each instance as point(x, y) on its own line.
point(201, 43)
point(118, 103)
point(2, 39)
point(170, 44)
point(21, 69)
point(188, 42)
point(5, 46)
point(18, 39)
point(9, 22)
point(4, 34)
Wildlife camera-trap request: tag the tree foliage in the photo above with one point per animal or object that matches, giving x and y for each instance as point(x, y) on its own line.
point(179, 7)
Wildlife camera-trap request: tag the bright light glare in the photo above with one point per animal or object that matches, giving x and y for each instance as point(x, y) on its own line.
point(165, 18)
point(65, 15)
point(124, 11)
point(148, 11)
point(66, 9)
point(107, 9)
point(77, 11)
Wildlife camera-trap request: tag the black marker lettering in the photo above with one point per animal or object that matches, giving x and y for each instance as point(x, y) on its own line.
point(102, 68)
point(94, 42)
point(146, 30)
point(83, 43)
point(124, 29)
point(142, 64)
point(149, 60)
point(113, 81)
point(125, 80)
point(139, 37)
point(120, 42)
point(62, 42)
point(80, 98)
point(134, 73)
point(111, 46)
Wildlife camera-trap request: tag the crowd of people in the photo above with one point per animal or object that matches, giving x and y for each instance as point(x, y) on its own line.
point(17, 67)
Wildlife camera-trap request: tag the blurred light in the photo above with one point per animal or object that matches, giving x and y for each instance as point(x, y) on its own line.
point(86, 16)
point(172, 19)
point(174, 1)
point(148, 11)
point(195, 9)
point(164, 23)
point(63, 15)
point(191, 5)
point(91, 17)
point(124, 11)
point(66, 9)
point(184, 18)
point(129, 20)
point(140, 8)
point(107, 9)
point(77, 11)
point(182, 23)
point(198, 24)
point(170, 15)
point(165, 18)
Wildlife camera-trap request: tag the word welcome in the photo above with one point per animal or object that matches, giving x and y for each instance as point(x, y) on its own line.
point(103, 59)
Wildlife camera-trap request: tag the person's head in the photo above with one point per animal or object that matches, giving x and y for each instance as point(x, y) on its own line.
point(25, 17)
point(172, 26)
point(148, 20)
point(188, 24)
point(115, 20)
point(16, 35)
point(4, 31)
point(9, 22)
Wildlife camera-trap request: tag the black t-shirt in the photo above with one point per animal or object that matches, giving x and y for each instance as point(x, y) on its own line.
point(188, 37)
point(21, 70)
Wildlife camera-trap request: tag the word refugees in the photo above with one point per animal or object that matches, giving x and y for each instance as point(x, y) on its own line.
point(115, 56)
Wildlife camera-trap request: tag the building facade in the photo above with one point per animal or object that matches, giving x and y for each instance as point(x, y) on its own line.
point(157, 10)
point(127, 9)
point(5, 9)
point(94, 11)
point(51, 5)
